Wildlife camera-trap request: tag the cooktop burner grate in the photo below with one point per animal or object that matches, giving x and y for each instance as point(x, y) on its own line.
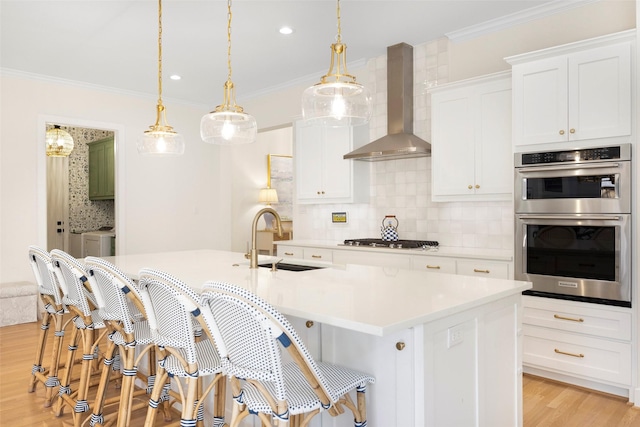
point(401, 244)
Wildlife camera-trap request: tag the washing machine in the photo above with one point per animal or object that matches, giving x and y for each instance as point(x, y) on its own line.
point(98, 243)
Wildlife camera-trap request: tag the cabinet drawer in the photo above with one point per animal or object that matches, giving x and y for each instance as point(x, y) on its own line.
point(369, 258)
point(483, 268)
point(434, 264)
point(568, 353)
point(577, 317)
point(290, 252)
point(318, 254)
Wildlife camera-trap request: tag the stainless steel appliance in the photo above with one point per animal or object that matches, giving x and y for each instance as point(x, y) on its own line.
point(573, 224)
point(397, 244)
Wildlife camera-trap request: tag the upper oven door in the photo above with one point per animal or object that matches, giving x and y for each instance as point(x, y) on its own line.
point(599, 187)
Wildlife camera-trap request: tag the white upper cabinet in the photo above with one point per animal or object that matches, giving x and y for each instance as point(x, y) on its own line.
point(574, 92)
point(471, 139)
point(321, 173)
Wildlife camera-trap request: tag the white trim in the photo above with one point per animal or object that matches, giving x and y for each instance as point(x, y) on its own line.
point(518, 18)
point(41, 173)
point(609, 39)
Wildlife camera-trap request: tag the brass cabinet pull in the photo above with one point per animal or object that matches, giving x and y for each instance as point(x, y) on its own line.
point(477, 270)
point(569, 354)
point(572, 130)
point(562, 132)
point(436, 267)
point(289, 253)
point(316, 256)
point(470, 187)
point(309, 323)
point(400, 345)
point(557, 316)
point(477, 186)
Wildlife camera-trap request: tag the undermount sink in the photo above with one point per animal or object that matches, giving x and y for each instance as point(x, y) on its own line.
point(290, 267)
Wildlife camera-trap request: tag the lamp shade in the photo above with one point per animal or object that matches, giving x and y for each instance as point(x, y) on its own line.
point(268, 196)
point(59, 143)
point(160, 143)
point(228, 128)
point(337, 104)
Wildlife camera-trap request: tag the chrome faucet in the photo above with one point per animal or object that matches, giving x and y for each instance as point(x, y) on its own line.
point(253, 254)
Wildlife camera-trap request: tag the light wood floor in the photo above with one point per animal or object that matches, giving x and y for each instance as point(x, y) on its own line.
point(546, 403)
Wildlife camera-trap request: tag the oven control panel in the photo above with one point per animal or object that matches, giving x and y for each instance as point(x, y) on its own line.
point(574, 156)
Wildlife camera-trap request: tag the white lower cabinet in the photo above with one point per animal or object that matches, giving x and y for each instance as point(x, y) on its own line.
point(391, 400)
point(371, 258)
point(588, 344)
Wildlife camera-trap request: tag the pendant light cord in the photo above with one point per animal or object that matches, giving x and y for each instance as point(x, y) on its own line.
point(159, 52)
point(229, 15)
point(339, 35)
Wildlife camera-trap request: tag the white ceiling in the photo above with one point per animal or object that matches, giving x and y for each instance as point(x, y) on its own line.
point(113, 43)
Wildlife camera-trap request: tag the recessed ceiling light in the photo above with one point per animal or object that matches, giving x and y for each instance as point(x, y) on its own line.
point(175, 77)
point(286, 30)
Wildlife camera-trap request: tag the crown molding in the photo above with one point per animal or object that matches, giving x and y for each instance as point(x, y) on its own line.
point(518, 18)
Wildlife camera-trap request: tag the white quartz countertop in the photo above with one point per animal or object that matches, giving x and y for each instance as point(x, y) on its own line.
point(372, 300)
point(442, 251)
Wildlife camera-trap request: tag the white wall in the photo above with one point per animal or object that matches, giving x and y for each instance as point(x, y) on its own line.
point(162, 203)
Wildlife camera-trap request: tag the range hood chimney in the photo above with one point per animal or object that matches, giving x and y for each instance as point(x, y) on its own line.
point(400, 142)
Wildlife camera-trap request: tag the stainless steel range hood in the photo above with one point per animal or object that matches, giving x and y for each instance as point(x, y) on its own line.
point(400, 142)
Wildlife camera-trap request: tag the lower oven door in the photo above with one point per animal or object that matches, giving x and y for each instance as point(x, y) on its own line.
point(580, 257)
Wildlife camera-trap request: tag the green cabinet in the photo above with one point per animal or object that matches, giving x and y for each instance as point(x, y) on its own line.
point(101, 170)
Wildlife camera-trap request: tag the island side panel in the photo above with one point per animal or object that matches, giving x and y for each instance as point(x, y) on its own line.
point(473, 367)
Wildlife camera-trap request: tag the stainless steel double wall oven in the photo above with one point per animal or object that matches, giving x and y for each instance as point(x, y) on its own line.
point(573, 223)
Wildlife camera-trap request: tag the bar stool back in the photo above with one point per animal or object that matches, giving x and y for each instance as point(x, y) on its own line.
point(171, 307)
point(120, 306)
point(251, 333)
point(54, 311)
point(81, 302)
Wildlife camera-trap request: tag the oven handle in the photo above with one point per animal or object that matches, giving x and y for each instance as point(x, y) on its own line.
point(572, 217)
point(568, 167)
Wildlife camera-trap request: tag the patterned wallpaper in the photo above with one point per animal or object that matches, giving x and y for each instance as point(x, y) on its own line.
point(85, 214)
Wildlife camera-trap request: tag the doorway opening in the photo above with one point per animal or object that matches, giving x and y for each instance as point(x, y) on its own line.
point(80, 190)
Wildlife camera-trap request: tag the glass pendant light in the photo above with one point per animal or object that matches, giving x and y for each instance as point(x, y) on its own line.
point(337, 100)
point(59, 142)
point(228, 124)
point(160, 139)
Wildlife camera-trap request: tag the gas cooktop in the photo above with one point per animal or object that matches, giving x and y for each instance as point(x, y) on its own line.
point(398, 244)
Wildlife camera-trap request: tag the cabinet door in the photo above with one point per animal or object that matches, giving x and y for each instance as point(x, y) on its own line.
point(493, 158)
point(336, 171)
point(453, 149)
point(393, 360)
point(600, 93)
point(101, 170)
point(308, 161)
point(540, 101)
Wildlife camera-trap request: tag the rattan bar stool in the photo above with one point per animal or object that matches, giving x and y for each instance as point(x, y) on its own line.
point(120, 306)
point(172, 307)
point(81, 302)
point(251, 332)
point(54, 311)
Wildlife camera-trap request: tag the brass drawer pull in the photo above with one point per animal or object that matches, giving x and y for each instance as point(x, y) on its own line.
point(568, 354)
point(476, 270)
point(316, 256)
point(309, 323)
point(288, 253)
point(561, 132)
point(557, 316)
point(400, 345)
point(435, 267)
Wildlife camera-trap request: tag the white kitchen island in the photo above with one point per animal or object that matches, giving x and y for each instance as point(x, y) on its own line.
point(445, 349)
